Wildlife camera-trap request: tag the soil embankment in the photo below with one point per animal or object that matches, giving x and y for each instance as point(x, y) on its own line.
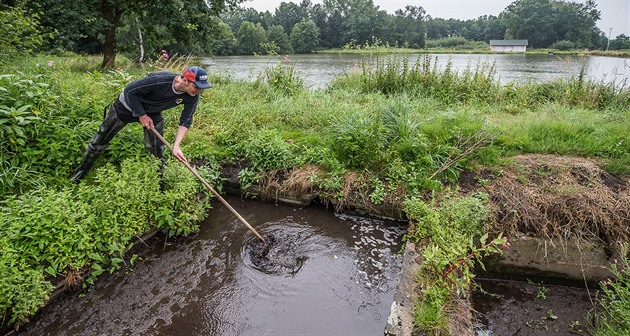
point(565, 215)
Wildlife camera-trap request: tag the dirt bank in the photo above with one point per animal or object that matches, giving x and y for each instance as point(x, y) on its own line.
point(555, 197)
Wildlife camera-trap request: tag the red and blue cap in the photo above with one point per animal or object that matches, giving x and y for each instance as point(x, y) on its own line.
point(198, 76)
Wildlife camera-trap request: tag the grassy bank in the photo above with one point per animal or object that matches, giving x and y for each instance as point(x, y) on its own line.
point(398, 129)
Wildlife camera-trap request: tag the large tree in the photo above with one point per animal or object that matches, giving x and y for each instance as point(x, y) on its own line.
point(224, 42)
point(362, 20)
point(100, 19)
point(575, 22)
point(189, 30)
point(288, 14)
point(544, 22)
point(304, 37)
point(531, 20)
point(409, 26)
point(276, 35)
point(250, 38)
point(332, 19)
point(74, 25)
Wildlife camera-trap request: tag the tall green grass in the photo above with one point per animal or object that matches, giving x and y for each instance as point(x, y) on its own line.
point(477, 84)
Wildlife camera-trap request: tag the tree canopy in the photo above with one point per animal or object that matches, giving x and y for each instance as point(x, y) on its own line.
point(92, 26)
point(141, 28)
point(543, 22)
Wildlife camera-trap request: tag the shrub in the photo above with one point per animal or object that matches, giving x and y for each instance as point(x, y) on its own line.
point(19, 32)
point(453, 244)
point(563, 45)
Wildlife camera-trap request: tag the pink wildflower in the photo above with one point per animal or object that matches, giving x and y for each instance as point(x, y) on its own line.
point(165, 55)
point(50, 64)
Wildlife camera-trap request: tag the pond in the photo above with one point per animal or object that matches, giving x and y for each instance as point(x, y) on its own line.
point(327, 274)
point(317, 70)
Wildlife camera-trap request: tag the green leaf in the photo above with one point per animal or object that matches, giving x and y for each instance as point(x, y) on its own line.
point(483, 239)
point(50, 270)
point(97, 270)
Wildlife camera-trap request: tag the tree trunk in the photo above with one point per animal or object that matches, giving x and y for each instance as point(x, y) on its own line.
point(112, 16)
point(140, 42)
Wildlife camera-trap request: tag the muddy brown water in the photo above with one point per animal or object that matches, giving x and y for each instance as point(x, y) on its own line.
point(510, 307)
point(325, 274)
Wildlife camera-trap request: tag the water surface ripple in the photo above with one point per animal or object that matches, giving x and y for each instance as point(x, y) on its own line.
point(321, 274)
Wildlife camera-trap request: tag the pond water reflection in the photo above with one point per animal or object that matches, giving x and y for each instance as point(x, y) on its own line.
point(318, 70)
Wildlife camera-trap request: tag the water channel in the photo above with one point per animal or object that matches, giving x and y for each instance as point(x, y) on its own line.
point(329, 274)
point(525, 307)
point(318, 70)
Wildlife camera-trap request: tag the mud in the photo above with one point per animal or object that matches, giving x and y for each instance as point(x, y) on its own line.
point(281, 254)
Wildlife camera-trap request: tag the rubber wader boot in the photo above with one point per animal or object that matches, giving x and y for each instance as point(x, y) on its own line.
point(88, 159)
point(109, 128)
point(156, 147)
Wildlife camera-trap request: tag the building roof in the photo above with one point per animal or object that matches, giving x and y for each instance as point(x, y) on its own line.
point(509, 42)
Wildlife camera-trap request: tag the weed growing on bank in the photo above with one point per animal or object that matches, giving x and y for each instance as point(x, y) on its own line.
point(615, 319)
point(450, 231)
point(49, 233)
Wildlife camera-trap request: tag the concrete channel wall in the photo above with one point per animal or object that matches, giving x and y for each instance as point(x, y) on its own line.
point(557, 261)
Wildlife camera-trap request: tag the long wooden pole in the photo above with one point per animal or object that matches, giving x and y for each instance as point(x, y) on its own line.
point(216, 194)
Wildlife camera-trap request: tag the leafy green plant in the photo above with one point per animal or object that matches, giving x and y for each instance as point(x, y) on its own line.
point(454, 244)
point(615, 318)
point(88, 227)
point(247, 178)
point(378, 194)
point(267, 149)
point(541, 291)
point(19, 32)
point(23, 289)
point(19, 113)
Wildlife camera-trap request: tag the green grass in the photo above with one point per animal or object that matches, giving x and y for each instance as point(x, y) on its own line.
point(398, 124)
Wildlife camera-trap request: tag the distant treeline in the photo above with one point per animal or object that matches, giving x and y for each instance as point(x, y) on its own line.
point(141, 29)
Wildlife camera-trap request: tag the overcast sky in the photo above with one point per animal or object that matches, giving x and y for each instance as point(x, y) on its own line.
point(615, 14)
